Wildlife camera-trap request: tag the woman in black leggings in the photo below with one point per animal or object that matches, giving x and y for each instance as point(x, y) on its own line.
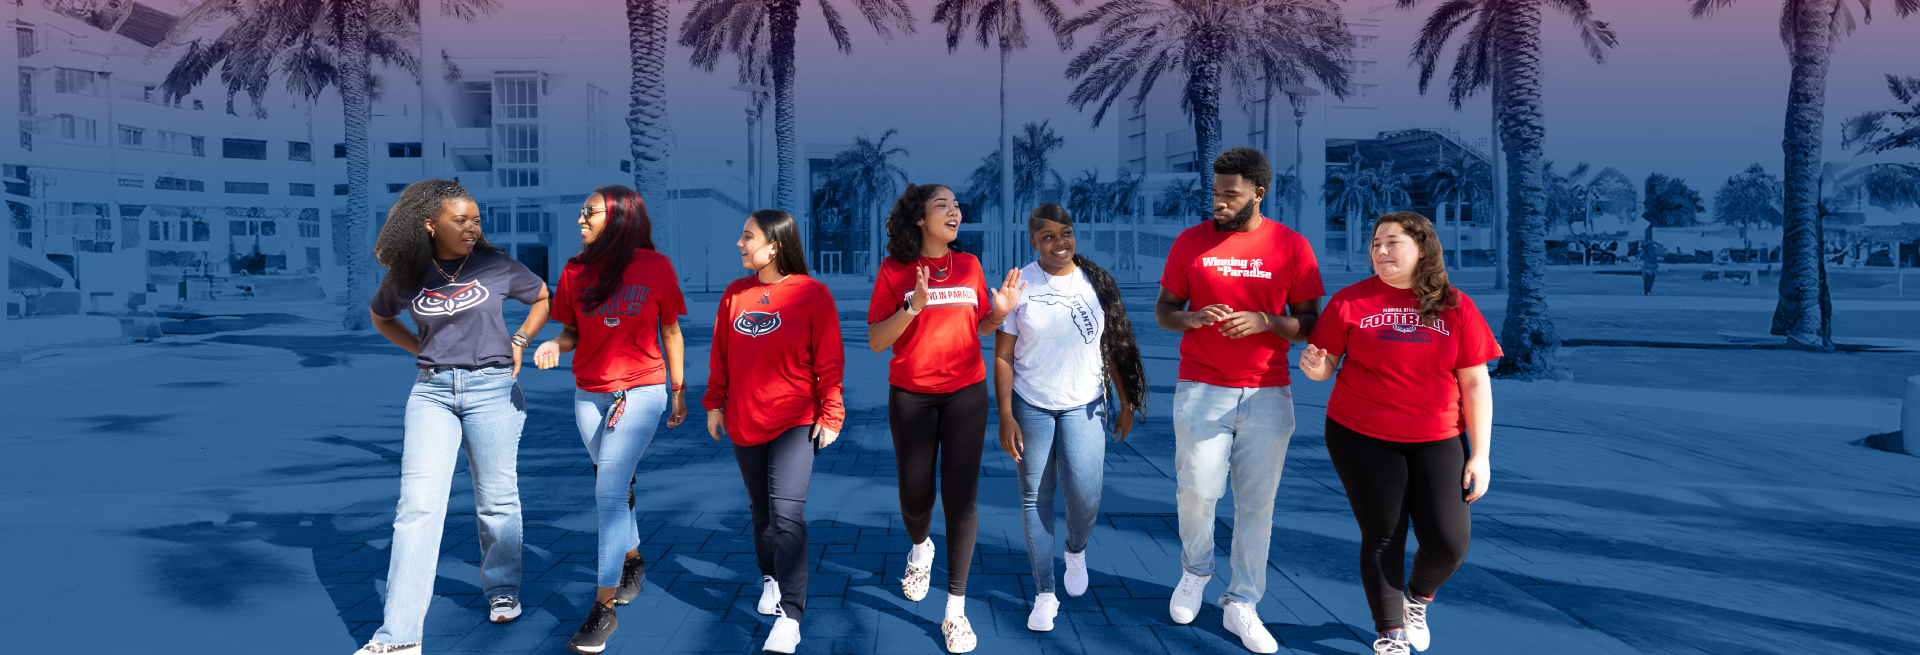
point(1412, 354)
point(930, 304)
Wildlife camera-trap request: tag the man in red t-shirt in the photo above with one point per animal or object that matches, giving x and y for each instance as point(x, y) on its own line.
point(1238, 288)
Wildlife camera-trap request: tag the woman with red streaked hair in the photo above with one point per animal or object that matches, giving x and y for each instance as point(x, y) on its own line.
point(620, 302)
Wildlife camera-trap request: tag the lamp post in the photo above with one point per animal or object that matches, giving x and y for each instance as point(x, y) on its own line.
point(756, 96)
point(1298, 95)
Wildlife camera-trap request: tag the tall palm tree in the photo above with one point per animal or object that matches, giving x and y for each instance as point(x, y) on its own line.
point(868, 176)
point(1185, 198)
point(1809, 29)
point(725, 20)
point(1460, 183)
point(1502, 51)
point(311, 45)
point(647, 95)
point(1004, 22)
point(1032, 163)
point(1087, 197)
point(1205, 45)
point(1363, 191)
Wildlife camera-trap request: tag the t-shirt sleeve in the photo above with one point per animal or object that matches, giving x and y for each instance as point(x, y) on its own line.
point(1477, 344)
point(672, 304)
point(386, 304)
point(1306, 284)
point(984, 297)
point(829, 363)
point(563, 301)
point(717, 382)
point(1173, 278)
point(886, 299)
point(522, 284)
point(1330, 332)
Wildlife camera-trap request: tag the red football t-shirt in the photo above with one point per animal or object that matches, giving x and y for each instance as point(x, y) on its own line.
point(940, 351)
point(776, 358)
point(620, 340)
point(1397, 381)
point(1263, 270)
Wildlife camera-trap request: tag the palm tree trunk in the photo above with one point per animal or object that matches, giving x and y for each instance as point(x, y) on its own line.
point(1798, 313)
point(1206, 118)
point(1002, 234)
point(1498, 214)
point(782, 18)
point(1528, 336)
point(358, 109)
point(647, 110)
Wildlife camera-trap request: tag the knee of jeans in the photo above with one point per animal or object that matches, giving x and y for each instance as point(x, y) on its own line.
point(1200, 492)
point(611, 501)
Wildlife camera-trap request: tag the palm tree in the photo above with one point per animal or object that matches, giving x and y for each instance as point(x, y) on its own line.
point(312, 45)
point(1185, 197)
point(1502, 51)
point(725, 20)
point(1809, 29)
point(1460, 182)
point(1567, 201)
point(1206, 44)
point(1088, 198)
point(1032, 162)
point(1890, 186)
point(647, 95)
point(1005, 22)
point(1750, 199)
point(1363, 191)
point(868, 176)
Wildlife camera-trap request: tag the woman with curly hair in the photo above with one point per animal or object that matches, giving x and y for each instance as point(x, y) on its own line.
point(937, 395)
point(1409, 421)
point(620, 301)
point(1065, 340)
point(452, 283)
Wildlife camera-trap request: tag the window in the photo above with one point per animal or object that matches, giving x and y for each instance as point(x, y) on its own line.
point(1365, 90)
point(339, 189)
point(596, 134)
point(133, 183)
point(133, 137)
point(626, 166)
point(75, 81)
point(517, 177)
point(202, 231)
point(77, 129)
point(26, 92)
point(396, 187)
point(299, 189)
point(243, 149)
point(515, 146)
point(299, 151)
point(268, 228)
point(24, 36)
point(256, 188)
point(199, 146)
point(159, 231)
point(310, 225)
point(403, 150)
point(339, 151)
point(516, 98)
point(1369, 67)
point(529, 219)
point(1362, 41)
point(499, 221)
point(178, 184)
point(236, 228)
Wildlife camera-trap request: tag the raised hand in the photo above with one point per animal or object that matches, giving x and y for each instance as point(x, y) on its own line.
point(1008, 293)
point(919, 299)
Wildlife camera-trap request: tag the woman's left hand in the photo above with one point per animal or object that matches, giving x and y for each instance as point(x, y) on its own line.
point(1476, 478)
point(1008, 293)
point(1125, 424)
point(823, 436)
point(679, 409)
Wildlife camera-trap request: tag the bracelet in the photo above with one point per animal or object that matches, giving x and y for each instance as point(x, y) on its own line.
point(520, 340)
point(676, 387)
point(914, 312)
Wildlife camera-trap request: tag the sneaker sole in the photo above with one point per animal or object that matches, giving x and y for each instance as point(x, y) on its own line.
point(505, 618)
point(586, 649)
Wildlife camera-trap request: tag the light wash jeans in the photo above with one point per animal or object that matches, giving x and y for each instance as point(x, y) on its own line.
point(484, 410)
point(1069, 446)
point(615, 454)
point(1223, 433)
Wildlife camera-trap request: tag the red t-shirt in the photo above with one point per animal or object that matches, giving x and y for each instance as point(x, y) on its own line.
point(1397, 381)
point(940, 351)
point(776, 358)
point(1263, 270)
point(620, 340)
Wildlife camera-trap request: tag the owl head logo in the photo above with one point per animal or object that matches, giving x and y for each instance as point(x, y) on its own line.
point(611, 321)
point(449, 299)
point(754, 324)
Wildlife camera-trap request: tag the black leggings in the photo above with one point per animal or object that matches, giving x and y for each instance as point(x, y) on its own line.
point(1387, 483)
point(776, 474)
point(925, 427)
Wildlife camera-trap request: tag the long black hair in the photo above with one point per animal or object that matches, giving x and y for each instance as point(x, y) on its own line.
point(405, 246)
point(1117, 349)
point(903, 233)
point(628, 229)
point(781, 230)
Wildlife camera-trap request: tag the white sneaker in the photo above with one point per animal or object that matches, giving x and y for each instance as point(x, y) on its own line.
point(1076, 573)
point(769, 595)
point(503, 609)
point(1417, 634)
point(377, 648)
point(1390, 643)
point(1186, 597)
point(1243, 620)
point(1045, 606)
point(785, 636)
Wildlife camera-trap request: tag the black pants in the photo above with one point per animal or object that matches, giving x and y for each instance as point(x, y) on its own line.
point(1646, 283)
point(777, 473)
point(1389, 482)
point(940, 432)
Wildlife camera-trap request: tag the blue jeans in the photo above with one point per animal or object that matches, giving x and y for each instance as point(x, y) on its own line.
point(615, 455)
point(1070, 446)
point(1224, 434)
point(484, 410)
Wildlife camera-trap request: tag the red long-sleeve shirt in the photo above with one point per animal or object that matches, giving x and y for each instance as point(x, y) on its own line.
point(777, 358)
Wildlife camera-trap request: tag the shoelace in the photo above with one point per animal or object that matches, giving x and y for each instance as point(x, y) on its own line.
point(1189, 586)
point(1417, 615)
point(377, 647)
point(504, 602)
point(1385, 646)
point(1246, 617)
point(597, 616)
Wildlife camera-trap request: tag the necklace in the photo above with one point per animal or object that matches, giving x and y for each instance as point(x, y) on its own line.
point(1050, 278)
point(767, 290)
point(941, 271)
point(456, 272)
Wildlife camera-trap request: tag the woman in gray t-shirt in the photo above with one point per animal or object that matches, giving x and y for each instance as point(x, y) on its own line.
point(452, 283)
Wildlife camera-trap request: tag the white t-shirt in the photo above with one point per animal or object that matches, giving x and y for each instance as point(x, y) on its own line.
point(1056, 361)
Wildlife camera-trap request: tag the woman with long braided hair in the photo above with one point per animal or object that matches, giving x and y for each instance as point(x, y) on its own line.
point(1066, 340)
point(442, 271)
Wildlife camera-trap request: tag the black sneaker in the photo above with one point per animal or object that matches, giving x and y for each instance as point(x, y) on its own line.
point(593, 633)
point(631, 574)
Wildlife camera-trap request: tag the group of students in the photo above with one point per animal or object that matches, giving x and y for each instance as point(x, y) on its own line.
point(1407, 426)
